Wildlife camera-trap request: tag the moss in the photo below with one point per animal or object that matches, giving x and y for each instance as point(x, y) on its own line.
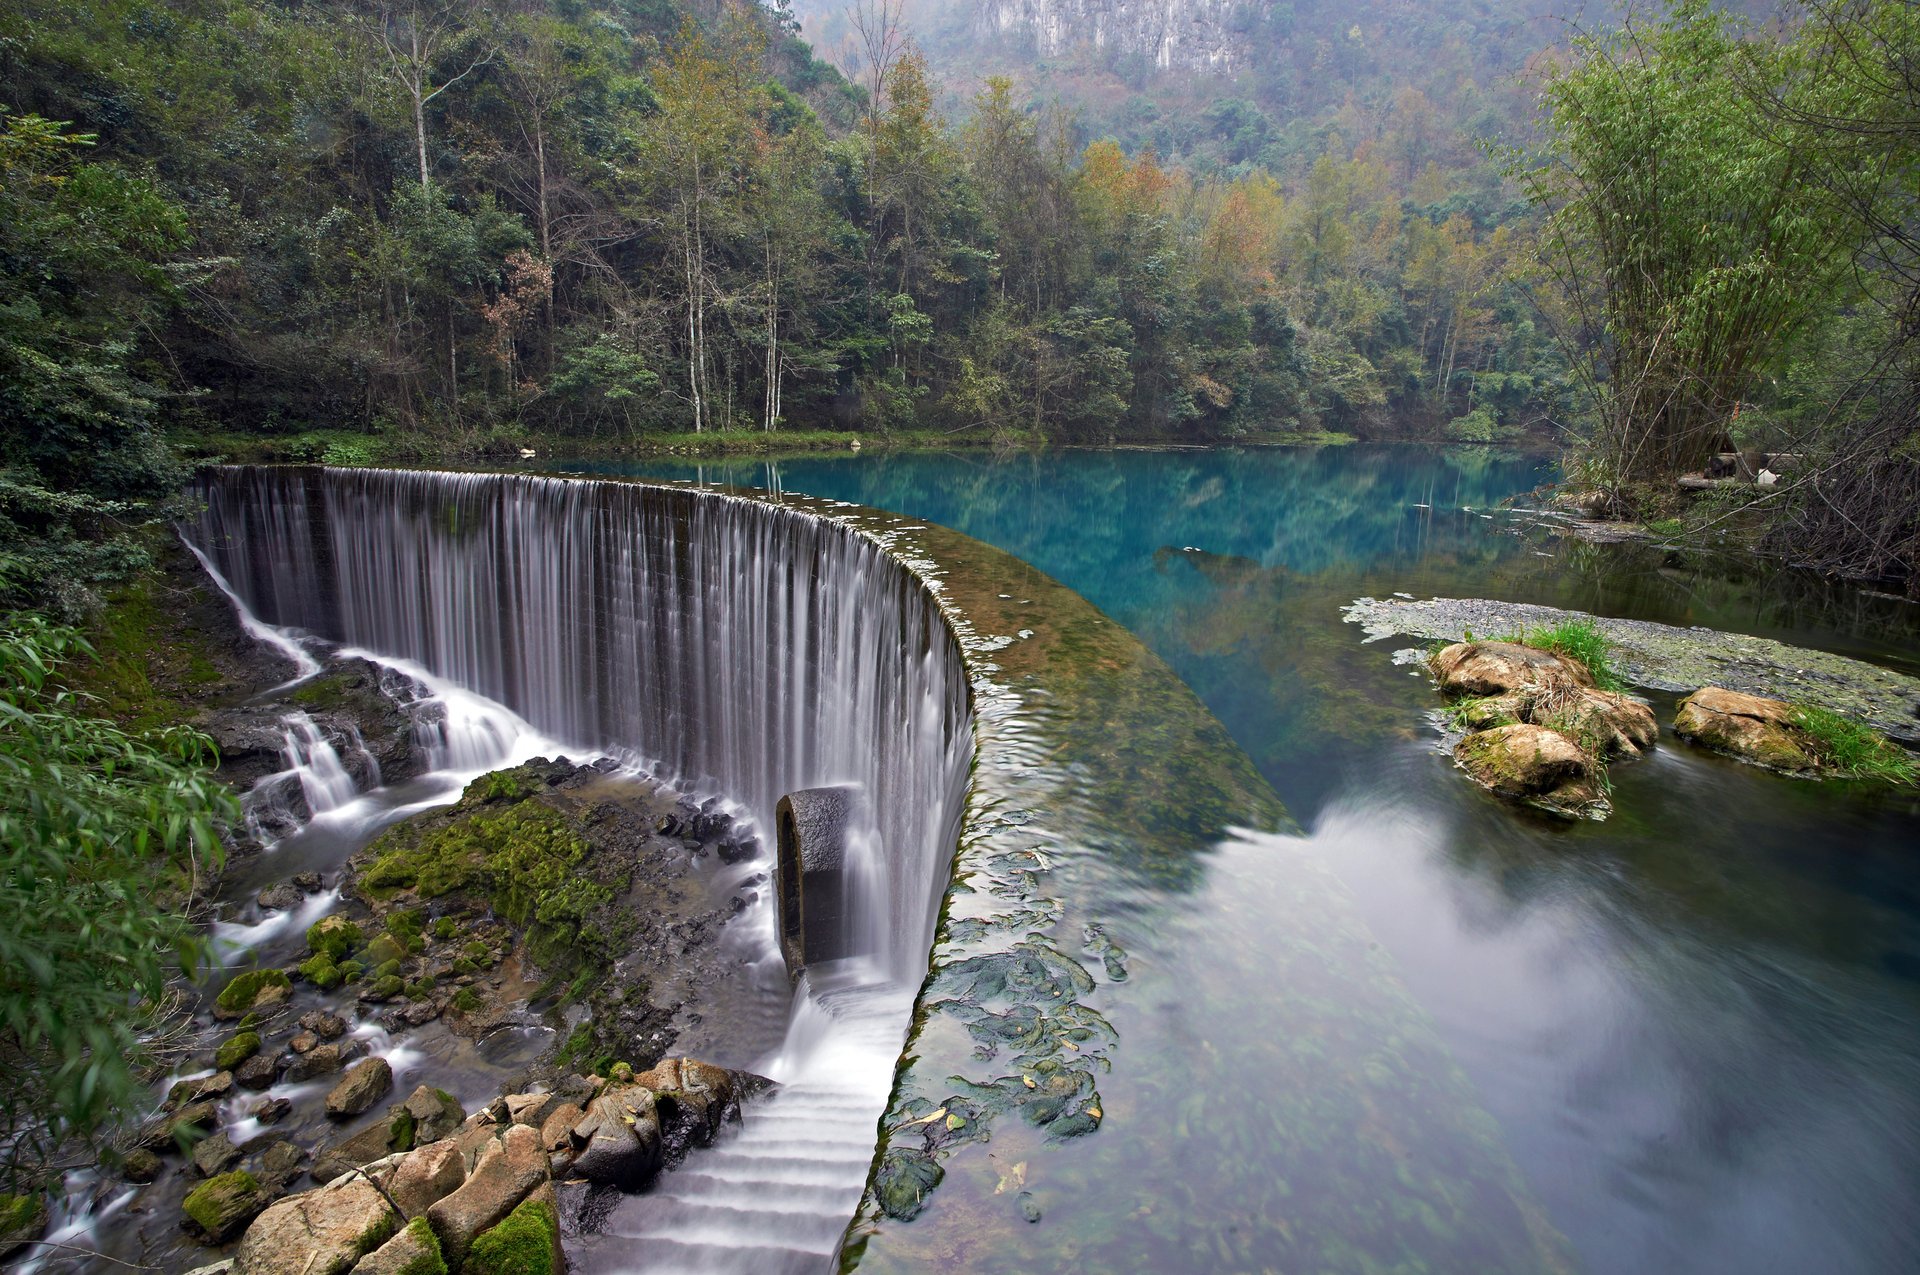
point(420, 988)
point(526, 1242)
point(333, 937)
point(466, 1000)
point(445, 928)
point(620, 1073)
point(404, 923)
point(388, 986)
point(476, 951)
point(387, 969)
point(383, 949)
point(321, 972)
point(501, 785)
point(244, 989)
point(218, 1205)
point(236, 1051)
point(350, 971)
point(1849, 750)
point(427, 1258)
point(400, 1131)
point(17, 1212)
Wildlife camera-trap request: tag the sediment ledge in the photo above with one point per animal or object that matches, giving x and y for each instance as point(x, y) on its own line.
point(1663, 657)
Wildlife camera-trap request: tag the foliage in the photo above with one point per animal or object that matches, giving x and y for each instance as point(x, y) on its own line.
point(1580, 641)
point(1850, 750)
point(105, 839)
point(1680, 234)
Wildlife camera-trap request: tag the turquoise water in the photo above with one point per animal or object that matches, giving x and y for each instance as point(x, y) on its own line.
point(1696, 1023)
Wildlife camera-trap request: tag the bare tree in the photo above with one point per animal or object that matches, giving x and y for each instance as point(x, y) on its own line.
point(415, 36)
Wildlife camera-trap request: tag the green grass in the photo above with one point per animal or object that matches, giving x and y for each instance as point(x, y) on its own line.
point(1850, 750)
point(1582, 642)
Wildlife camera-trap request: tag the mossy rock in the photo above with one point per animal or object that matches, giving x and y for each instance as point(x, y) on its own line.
point(22, 1218)
point(221, 1207)
point(255, 989)
point(350, 971)
point(525, 1242)
point(387, 987)
point(320, 970)
point(466, 1000)
point(333, 937)
point(414, 1251)
point(236, 1051)
point(383, 949)
point(445, 928)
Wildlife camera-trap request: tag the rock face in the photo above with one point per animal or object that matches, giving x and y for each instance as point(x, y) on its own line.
point(1749, 727)
point(1537, 766)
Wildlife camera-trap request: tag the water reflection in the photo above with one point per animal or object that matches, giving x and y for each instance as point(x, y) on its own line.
point(1696, 1023)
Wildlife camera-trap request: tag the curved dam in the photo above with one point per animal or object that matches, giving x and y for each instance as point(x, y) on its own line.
point(1032, 775)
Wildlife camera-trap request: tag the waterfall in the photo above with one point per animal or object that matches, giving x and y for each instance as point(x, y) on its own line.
point(741, 647)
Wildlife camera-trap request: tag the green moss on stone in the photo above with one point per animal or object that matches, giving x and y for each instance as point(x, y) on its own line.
point(17, 1211)
point(428, 1259)
point(388, 986)
point(219, 1205)
point(381, 950)
point(350, 971)
point(466, 1000)
point(526, 1242)
point(236, 1051)
point(445, 928)
point(333, 937)
point(243, 990)
point(320, 970)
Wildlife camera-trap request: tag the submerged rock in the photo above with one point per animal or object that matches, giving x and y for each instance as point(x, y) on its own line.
point(1750, 727)
point(1539, 767)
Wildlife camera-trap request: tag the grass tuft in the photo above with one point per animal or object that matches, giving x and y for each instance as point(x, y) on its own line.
point(1850, 750)
point(1582, 642)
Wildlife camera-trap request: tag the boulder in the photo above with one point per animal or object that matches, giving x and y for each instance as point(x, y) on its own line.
point(252, 992)
point(1608, 724)
point(1479, 669)
point(692, 1100)
point(325, 1025)
point(186, 1125)
point(198, 1089)
point(141, 1166)
point(526, 1242)
point(376, 1142)
point(319, 1232)
point(435, 1114)
point(367, 1083)
point(423, 1177)
point(617, 1141)
point(282, 898)
point(279, 1162)
point(258, 1072)
point(557, 1130)
point(272, 1110)
point(220, 1207)
point(214, 1155)
point(1749, 727)
point(1539, 767)
point(235, 1051)
point(506, 1174)
point(321, 1060)
point(414, 1251)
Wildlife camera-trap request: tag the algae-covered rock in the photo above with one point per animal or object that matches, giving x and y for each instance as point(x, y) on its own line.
point(253, 990)
point(236, 1051)
point(141, 1166)
point(219, 1207)
point(1750, 727)
point(333, 936)
point(527, 1242)
point(320, 1232)
point(1539, 767)
point(414, 1251)
point(903, 1180)
point(23, 1218)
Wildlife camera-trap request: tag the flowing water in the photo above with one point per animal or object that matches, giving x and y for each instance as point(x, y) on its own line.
point(1698, 1024)
point(725, 646)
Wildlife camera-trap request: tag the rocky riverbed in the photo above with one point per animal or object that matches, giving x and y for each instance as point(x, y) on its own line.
point(420, 966)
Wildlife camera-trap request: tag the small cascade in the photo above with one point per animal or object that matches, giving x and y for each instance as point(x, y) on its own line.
point(314, 782)
point(774, 1198)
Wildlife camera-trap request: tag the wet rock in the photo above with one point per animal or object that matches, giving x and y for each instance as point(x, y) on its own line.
point(321, 1060)
point(303, 1042)
point(506, 1173)
point(279, 1162)
point(214, 1155)
point(693, 1100)
point(903, 1180)
point(198, 1089)
point(186, 1125)
point(220, 1207)
point(1610, 724)
point(272, 1110)
point(257, 1072)
point(281, 898)
point(320, 1232)
point(1749, 727)
point(617, 1142)
point(435, 1114)
point(325, 1025)
point(360, 1088)
point(420, 1013)
point(308, 881)
point(1480, 669)
point(526, 1108)
point(1539, 767)
point(141, 1166)
point(414, 1251)
point(237, 1050)
point(556, 1130)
